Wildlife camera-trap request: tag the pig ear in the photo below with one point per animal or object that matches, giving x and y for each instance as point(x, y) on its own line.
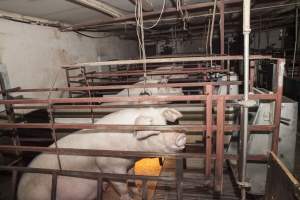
point(143, 120)
point(171, 115)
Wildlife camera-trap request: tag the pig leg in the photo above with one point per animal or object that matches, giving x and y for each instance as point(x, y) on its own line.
point(120, 187)
point(134, 189)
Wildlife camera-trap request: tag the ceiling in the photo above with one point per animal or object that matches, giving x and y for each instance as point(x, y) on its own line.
point(71, 13)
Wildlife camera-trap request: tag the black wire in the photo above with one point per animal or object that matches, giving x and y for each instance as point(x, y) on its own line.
point(90, 36)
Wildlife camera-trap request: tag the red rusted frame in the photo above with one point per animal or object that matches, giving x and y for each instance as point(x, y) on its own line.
point(135, 99)
point(168, 60)
point(278, 101)
point(126, 154)
point(219, 145)
point(220, 127)
point(114, 127)
point(116, 87)
point(251, 75)
point(151, 73)
point(208, 136)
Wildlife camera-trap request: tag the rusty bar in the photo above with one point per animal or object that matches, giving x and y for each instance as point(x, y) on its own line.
point(179, 178)
point(14, 184)
point(117, 87)
point(144, 190)
point(219, 162)
point(251, 76)
point(277, 111)
point(135, 99)
point(127, 154)
point(68, 81)
point(208, 136)
point(99, 188)
point(167, 60)
point(222, 46)
point(122, 128)
point(156, 72)
point(53, 186)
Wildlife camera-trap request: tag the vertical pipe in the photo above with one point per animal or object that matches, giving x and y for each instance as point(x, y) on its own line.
point(296, 41)
point(244, 133)
point(208, 138)
point(221, 8)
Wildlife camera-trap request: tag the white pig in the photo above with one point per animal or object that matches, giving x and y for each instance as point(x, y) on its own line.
point(38, 186)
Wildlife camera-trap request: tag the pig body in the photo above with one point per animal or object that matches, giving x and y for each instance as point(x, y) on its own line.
point(38, 186)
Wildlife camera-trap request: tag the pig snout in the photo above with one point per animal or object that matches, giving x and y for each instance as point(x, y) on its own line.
point(176, 141)
point(180, 140)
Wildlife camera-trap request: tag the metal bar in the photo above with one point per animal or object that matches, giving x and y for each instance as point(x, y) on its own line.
point(99, 188)
point(219, 162)
point(54, 186)
point(100, 7)
point(116, 87)
point(251, 77)
point(156, 72)
point(208, 136)
point(144, 190)
point(140, 99)
point(14, 184)
point(244, 133)
point(68, 81)
point(277, 111)
point(222, 46)
point(179, 178)
point(166, 60)
point(131, 128)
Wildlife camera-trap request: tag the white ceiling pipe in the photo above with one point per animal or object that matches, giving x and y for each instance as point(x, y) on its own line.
point(99, 6)
point(147, 5)
point(29, 19)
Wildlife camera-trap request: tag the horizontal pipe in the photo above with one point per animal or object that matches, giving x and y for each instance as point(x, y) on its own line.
point(131, 128)
point(125, 154)
point(165, 60)
point(112, 87)
point(140, 99)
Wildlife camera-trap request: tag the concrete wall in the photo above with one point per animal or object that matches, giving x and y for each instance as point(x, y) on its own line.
point(33, 54)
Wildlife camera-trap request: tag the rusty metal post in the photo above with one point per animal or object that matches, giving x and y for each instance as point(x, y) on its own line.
point(14, 184)
point(99, 188)
point(179, 178)
point(68, 81)
point(54, 186)
point(219, 145)
point(278, 101)
point(208, 136)
point(221, 8)
point(251, 76)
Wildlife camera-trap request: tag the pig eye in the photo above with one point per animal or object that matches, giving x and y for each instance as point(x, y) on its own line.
point(173, 123)
point(145, 93)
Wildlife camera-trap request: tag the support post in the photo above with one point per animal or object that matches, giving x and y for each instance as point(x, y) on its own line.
point(208, 136)
point(244, 132)
point(278, 101)
point(179, 178)
point(220, 145)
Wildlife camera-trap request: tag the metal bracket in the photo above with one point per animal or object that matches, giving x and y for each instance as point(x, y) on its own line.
point(248, 103)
